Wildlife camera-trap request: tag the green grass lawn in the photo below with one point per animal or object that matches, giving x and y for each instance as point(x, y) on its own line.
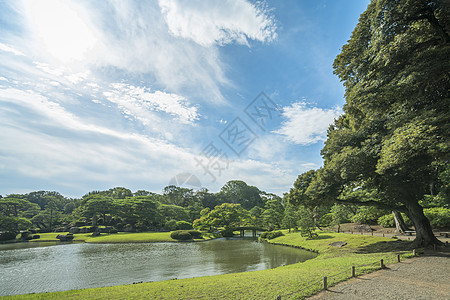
point(121, 237)
point(291, 282)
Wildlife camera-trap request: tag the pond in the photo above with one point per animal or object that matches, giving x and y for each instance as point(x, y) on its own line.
point(39, 267)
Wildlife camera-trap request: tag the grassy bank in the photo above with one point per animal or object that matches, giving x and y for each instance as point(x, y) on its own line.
point(121, 237)
point(291, 282)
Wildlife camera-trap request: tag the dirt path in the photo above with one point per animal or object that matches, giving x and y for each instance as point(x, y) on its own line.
point(424, 277)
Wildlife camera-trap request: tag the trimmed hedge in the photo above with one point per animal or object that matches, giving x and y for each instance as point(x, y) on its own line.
point(271, 234)
point(181, 235)
point(439, 216)
point(6, 236)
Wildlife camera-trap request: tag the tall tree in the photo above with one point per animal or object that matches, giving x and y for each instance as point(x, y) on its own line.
point(394, 136)
point(237, 191)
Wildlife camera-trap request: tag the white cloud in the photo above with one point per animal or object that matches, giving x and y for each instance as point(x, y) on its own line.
point(9, 49)
point(218, 22)
point(57, 146)
point(306, 125)
point(138, 101)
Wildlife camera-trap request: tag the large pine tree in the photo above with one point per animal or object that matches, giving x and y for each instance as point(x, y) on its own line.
point(393, 138)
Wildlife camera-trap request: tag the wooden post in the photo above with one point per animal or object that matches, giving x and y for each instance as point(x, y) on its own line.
point(352, 232)
point(372, 233)
point(325, 284)
point(353, 271)
point(381, 263)
point(398, 257)
point(361, 233)
point(414, 252)
point(383, 234)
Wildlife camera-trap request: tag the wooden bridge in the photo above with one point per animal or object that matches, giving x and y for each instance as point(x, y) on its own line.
point(242, 230)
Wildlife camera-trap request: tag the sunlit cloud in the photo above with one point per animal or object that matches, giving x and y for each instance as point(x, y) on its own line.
point(9, 49)
point(138, 101)
point(218, 22)
point(305, 124)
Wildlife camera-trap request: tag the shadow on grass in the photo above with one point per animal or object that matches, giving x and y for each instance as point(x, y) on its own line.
point(322, 237)
point(384, 246)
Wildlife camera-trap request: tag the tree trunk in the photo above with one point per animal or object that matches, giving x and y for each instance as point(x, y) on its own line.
point(399, 222)
point(424, 233)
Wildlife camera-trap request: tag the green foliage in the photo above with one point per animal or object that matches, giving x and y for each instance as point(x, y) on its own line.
point(297, 195)
point(170, 225)
point(290, 217)
point(271, 234)
point(14, 224)
point(183, 225)
point(393, 139)
point(339, 214)
point(439, 216)
point(273, 213)
point(306, 223)
point(195, 234)
point(386, 221)
point(227, 215)
point(7, 235)
point(238, 192)
point(326, 220)
point(367, 215)
point(181, 235)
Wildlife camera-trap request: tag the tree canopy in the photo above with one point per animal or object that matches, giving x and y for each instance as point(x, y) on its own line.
point(392, 142)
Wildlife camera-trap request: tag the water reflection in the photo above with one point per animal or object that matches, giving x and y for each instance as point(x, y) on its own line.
point(73, 266)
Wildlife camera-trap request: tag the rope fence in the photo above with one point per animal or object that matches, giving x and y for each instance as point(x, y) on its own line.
point(327, 281)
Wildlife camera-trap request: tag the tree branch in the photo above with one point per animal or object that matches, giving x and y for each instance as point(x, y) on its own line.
point(401, 208)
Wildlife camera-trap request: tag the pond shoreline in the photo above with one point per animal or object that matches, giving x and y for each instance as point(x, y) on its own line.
point(299, 279)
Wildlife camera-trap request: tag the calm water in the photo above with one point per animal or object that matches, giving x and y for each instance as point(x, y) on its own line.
point(32, 268)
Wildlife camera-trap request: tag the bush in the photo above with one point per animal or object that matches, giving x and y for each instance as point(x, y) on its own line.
point(182, 235)
point(195, 234)
point(439, 216)
point(271, 234)
point(183, 225)
point(227, 233)
point(326, 220)
point(368, 215)
point(113, 230)
point(6, 236)
point(386, 220)
point(36, 236)
point(170, 225)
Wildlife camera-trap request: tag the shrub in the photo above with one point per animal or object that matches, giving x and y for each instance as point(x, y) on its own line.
point(170, 225)
point(227, 233)
point(271, 234)
point(182, 235)
point(183, 225)
point(326, 220)
point(386, 220)
point(439, 216)
point(113, 230)
point(367, 215)
point(195, 234)
point(6, 236)
point(36, 236)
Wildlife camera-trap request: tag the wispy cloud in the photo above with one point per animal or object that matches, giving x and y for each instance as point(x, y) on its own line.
point(138, 101)
point(305, 124)
point(9, 49)
point(218, 22)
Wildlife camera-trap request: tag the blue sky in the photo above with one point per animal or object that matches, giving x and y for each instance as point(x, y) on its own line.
point(140, 94)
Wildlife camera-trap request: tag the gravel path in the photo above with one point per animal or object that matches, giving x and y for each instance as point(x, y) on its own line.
point(424, 277)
